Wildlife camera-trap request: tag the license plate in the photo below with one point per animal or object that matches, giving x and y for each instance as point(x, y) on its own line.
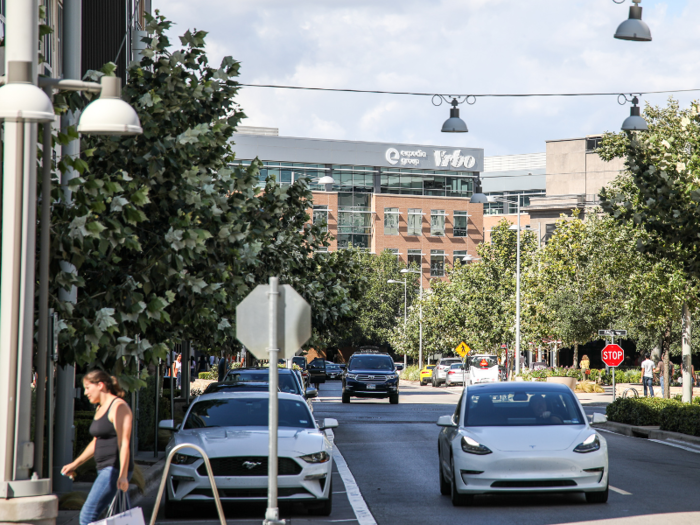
point(371, 387)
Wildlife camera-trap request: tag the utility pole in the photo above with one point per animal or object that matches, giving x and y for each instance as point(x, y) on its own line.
point(686, 363)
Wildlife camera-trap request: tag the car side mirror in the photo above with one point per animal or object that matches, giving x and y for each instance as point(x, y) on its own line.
point(399, 367)
point(167, 424)
point(445, 421)
point(311, 393)
point(329, 422)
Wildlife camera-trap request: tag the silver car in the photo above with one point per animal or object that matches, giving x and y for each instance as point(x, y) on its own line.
point(440, 371)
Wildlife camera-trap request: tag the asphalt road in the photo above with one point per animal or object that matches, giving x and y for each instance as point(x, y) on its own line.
point(392, 453)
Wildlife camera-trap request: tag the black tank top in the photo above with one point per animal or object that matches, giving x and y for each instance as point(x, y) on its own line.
point(107, 446)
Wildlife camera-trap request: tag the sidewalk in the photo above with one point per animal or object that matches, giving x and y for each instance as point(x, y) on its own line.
point(152, 469)
point(648, 432)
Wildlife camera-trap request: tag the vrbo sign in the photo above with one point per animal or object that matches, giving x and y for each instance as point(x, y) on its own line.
point(441, 158)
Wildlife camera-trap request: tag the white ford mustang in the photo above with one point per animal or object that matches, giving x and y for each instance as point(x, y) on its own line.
point(232, 429)
point(520, 437)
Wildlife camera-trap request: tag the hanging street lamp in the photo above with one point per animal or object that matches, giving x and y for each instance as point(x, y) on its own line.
point(634, 28)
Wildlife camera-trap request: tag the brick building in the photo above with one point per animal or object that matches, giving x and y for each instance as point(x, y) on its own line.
point(413, 200)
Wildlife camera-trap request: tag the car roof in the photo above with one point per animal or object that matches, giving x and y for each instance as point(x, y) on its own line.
point(250, 395)
point(258, 369)
point(518, 386)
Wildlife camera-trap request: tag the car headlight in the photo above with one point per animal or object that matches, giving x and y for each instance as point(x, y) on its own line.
point(472, 447)
point(392, 376)
point(183, 459)
point(591, 444)
point(318, 457)
point(351, 376)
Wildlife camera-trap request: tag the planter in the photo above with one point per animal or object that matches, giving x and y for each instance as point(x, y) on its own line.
point(568, 381)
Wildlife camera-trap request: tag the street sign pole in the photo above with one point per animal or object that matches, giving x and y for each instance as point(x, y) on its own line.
point(272, 514)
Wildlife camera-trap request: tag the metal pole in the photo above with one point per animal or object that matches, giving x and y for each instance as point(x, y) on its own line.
point(272, 514)
point(53, 356)
point(517, 301)
point(613, 371)
point(686, 359)
point(157, 396)
point(405, 288)
point(42, 344)
point(420, 344)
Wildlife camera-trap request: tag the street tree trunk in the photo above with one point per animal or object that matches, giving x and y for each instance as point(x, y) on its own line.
point(665, 348)
point(686, 363)
point(575, 354)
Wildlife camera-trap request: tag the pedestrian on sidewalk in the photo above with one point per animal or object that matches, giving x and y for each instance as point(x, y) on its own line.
point(177, 370)
point(648, 375)
point(111, 432)
point(223, 367)
point(585, 363)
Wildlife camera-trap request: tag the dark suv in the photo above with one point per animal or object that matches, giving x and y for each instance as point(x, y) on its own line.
point(371, 375)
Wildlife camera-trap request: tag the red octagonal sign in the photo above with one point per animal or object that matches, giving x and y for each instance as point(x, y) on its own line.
point(613, 355)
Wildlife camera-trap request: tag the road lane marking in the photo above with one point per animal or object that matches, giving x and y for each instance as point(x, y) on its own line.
point(359, 506)
point(683, 447)
point(619, 491)
point(339, 492)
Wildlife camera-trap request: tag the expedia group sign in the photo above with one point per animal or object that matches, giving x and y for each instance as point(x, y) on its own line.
point(436, 158)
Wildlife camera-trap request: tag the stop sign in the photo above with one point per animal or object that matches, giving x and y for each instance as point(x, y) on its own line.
point(613, 355)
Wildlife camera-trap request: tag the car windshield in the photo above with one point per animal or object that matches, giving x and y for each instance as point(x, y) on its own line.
point(372, 362)
point(483, 361)
point(286, 381)
point(456, 366)
point(332, 367)
point(505, 408)
point(247, 412)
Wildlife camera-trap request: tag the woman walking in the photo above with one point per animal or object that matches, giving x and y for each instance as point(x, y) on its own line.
point(177, 369)
point(111, 432)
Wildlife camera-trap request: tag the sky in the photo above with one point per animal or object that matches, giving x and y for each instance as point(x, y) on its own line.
point(446, 47)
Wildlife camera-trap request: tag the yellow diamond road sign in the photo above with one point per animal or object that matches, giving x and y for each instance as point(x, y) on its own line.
point(463, 349)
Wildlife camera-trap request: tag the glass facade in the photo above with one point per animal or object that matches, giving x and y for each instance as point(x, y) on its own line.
point(460, 221)
point(424, 182)
point(354, 220)
point(510, 208)
point(437, 263)
point(391, 221)
point(415, 221)
point(437, 223)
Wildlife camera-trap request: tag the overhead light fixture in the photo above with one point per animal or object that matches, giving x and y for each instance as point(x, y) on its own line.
point(634, 28)
point(109, 114)
point(635, 122)
point(326, 179)
point(454, 124)
point(478, 196)
point(20, 99)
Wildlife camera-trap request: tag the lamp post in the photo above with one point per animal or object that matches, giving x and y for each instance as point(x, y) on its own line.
point(404, 282)
point(420, 324)
point(517, 283)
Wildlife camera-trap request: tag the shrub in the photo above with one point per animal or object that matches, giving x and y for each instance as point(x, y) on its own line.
point(640, 412)
point(681, 418)
point(410, 373)
point(210, 376)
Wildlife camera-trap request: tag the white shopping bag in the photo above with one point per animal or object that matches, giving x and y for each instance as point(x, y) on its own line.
point(121, 513)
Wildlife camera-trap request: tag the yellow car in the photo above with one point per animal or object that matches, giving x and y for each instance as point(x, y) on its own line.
point(426, 374)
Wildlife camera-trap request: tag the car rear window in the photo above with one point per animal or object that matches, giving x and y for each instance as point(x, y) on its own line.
point(371, 362)
point(483, 361)
point(286, 381)
point(247, 412)
point(522, 408)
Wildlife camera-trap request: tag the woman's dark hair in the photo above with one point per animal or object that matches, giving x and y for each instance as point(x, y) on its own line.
point(97, 376)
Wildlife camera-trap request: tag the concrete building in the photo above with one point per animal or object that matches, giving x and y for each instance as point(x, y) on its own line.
point(575, 175)
point(412, 200)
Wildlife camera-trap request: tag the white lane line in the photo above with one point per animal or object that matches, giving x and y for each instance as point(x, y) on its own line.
point(693, 450)
point(684, 443)
point(359, 506)
point(338, 521)
point(619, 491)
point(610, 432)
point(339, 492)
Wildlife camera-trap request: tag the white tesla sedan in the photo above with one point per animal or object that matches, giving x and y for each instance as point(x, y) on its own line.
point(520, 437)
point(232, 429)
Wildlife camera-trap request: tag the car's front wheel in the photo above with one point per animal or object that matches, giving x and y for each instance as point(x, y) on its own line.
point(597, 497)
point(394, 399)
point(346, 398)
point(458, 500)
point(445, 488)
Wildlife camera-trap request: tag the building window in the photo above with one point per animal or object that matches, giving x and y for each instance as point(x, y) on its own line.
point(461, 219)
point(593, 143)
point(320, 217)
point(406, 181)
point(394, 251)
point(354, 220)
point(415, 221)
point(391, 221)
point(415, 258)
point(458, 255)
point(437, 223)
point(437, 263)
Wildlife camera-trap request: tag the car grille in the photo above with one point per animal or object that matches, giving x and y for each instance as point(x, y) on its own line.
point(366, 378)
point(249, 493)
point(256, 466)
point(535, 483)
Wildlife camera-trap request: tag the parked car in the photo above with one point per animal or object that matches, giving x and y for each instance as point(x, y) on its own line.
point(289, 381)
point(371, 374)
point(333, 371)
point(455, 375)
point(482, 368)
point(232, 429)
point(440, 371)
point(520, 437)
point(317, 371)
point(426, 374)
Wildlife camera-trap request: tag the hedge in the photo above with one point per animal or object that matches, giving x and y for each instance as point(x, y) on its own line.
point(668, 414)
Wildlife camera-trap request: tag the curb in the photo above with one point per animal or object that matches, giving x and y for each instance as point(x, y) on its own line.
point(152, 478)
point(646, 432)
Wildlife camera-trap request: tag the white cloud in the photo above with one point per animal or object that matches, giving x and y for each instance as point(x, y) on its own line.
point(446, 46)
